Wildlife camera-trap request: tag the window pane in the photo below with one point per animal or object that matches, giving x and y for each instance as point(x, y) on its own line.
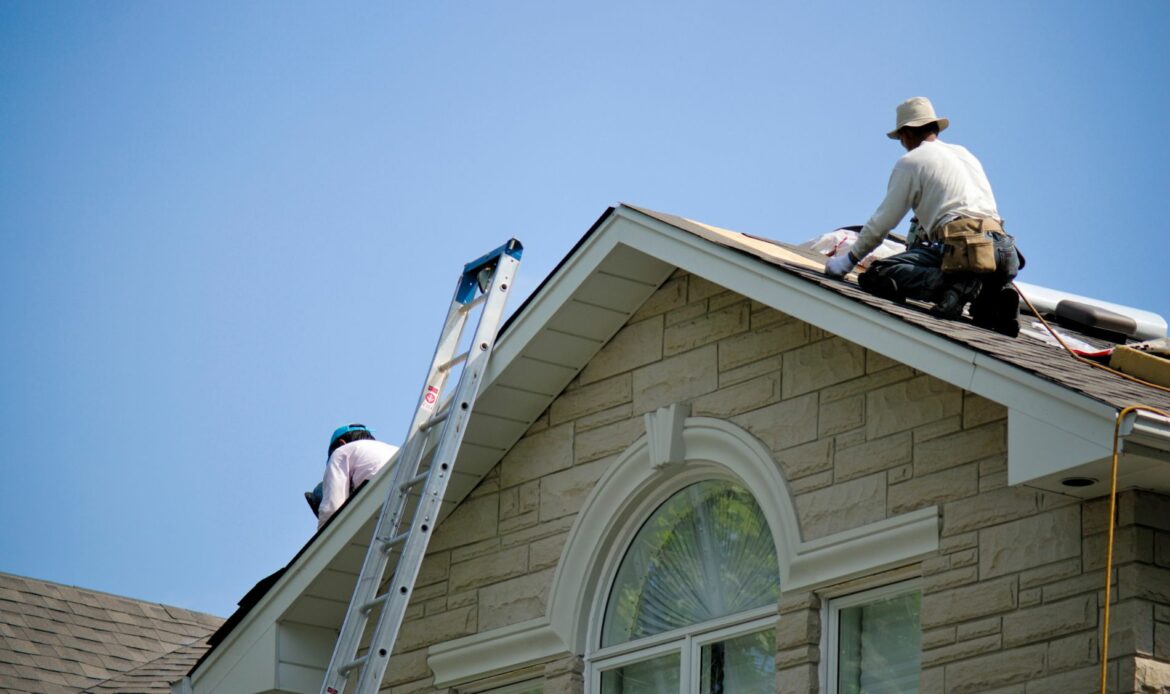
point(879, 647)
point(743, 664)
point(705, 553)
point(657, 676)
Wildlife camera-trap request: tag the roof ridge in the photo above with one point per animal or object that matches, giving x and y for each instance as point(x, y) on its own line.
point(145, 663)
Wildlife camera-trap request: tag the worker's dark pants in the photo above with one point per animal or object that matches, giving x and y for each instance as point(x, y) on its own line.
point(915, 273)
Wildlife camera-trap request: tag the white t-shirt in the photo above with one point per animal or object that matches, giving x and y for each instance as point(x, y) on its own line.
point(940, 181)
point(349, 466)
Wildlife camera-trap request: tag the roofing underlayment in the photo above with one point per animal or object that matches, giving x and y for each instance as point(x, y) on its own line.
point(57, 638)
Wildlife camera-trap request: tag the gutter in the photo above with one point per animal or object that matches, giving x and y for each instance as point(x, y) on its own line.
point(1148, 432)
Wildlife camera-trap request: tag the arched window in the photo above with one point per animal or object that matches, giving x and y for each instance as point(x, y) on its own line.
point(692, 606)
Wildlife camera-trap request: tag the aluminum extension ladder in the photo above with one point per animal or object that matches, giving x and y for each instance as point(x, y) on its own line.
point(484, 281)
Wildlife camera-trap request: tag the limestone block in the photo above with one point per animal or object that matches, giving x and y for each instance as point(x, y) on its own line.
point(996, 507)
point(456, 600)
point(932, 680)
point(783, 425)
point(671, 295)
point(608, 416)
point(978, 410)
point(685, 313)
point(955, 543)
point(841, 415)
point(1085, 583)
point(1073, 651)
point(1050, 621)
point(437, 628)
point(1147, 675)
point(1131, 627)
point(472, 521)
point(1149, 509)
point(1030, 597)
point(769, 366)
point(1030, 542)
point(934, 489)
point(950, 579)
point(743, 397)
point(537, 455)
point(993, 481)
point(936, 564)
point(514, 600)
point(563, 684)
point(1130, 544)
point(969, 602)
point(564, 492)
point(510, 502)
point(705, 329)
point(861, 386)
point(909, 404)
point(607, 440)
point(434, 568)
point(807, 459)
point(797, 629)
point(820, 365)
point(809, 483)
point(1162, 549)
point(1050, 573)
point(996, 670)
point(842, 506)
point(964, 447)
point(871, 456)
point(764, 315)
point(594, 397)
point(958, 651)
point(479, 549)
point(901, 473)
point(980, 627)
point(540, 424)
point(701, 288)
point(675, 379)
point(936, 638)
point(801, 679)
point(634, 345)
point(492, 568)
point(941, 427)
point(875, 361)
point(792, 602)
point(761, 343)
point(1085, 680)
point(793, 657)
point(407, 666)
point(528, 535)
point(726, 299)
point(546, 552)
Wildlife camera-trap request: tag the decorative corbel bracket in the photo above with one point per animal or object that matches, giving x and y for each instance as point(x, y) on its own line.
point(664, 433)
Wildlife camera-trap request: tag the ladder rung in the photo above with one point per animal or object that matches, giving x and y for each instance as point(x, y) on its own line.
point(473, 303)
point(436, 420)
point(394, 542)
point(455, 361)
point(414, 480)
point(375, 602)
point(353, 665)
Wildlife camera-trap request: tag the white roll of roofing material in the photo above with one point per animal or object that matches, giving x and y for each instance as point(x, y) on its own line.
point(1150, 326)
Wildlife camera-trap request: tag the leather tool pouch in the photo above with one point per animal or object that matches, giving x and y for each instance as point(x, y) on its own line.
point(968, 246)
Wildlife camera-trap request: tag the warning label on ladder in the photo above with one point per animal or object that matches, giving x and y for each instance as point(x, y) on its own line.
point(430, 399)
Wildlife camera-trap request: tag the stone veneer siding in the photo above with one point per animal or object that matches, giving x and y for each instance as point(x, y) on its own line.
point(1011, 602)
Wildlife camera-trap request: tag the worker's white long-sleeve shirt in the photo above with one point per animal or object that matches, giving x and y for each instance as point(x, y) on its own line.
point(940, 181)
point(349, 466)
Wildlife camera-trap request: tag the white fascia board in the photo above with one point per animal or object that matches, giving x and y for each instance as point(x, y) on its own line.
point(1039, 448)
point(499, 650)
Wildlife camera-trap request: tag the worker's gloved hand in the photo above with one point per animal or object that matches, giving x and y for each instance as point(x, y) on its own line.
point(840, 264)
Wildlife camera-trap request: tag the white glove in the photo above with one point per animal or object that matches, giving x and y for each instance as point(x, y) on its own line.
point(840, 264)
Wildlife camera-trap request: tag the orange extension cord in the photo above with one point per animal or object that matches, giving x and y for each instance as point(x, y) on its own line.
point(1113, 476)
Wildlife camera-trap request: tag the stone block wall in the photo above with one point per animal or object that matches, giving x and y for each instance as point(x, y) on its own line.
point(1011, 602)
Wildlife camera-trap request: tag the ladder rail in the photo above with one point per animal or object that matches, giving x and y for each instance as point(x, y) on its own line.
point(427, 512)
point(409, 471)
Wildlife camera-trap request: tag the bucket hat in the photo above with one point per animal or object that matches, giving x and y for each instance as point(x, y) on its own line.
point(916, 111)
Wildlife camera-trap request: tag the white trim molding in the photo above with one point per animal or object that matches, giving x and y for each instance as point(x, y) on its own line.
point(491, 652)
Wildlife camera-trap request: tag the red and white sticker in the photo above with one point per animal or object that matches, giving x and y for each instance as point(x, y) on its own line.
point(430, 399)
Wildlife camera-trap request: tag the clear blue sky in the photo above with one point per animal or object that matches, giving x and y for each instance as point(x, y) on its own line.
point(227, 228)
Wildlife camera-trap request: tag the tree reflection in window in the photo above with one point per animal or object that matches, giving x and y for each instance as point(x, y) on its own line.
point(705, 553)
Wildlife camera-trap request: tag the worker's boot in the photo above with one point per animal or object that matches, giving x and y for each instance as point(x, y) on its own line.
point(998, 310)
point(954, 296)
point(880, 284)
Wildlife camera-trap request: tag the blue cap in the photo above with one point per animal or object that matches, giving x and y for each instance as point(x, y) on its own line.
point(342, 431)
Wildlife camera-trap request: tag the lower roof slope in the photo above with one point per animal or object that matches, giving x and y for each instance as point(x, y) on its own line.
point(58, 638)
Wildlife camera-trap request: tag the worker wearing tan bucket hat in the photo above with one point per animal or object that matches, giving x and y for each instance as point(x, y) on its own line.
point(956, 251)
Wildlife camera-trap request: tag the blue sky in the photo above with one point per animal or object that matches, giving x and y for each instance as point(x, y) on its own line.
point(228, 228)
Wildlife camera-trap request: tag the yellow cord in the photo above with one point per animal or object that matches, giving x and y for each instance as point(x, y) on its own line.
point(1113, 474)
point(1112, 522)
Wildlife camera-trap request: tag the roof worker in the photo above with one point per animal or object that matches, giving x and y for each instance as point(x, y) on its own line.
point(957, 251)
point(354, 457)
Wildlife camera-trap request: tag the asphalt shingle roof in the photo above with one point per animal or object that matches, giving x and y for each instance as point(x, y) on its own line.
point(61, 639)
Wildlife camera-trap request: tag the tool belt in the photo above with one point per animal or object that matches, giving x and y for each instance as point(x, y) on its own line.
point(968, 245)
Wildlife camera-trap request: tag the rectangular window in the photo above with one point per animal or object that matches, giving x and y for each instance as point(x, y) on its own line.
point(875, 642)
